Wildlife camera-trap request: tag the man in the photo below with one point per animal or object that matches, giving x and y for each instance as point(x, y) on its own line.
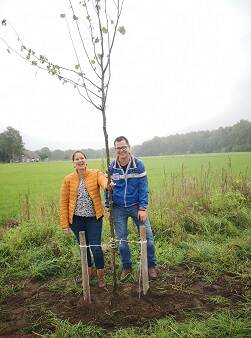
point(130, 199)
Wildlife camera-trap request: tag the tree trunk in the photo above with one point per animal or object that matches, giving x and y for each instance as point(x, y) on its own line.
point(112, 232)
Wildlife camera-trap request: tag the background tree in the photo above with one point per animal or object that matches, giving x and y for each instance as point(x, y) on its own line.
point(11, 145)
point(44, 153)
point(232, 138)
point(95, 25)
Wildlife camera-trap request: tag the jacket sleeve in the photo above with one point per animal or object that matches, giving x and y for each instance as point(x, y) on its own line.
point(64, 205)
point(143, 187)
point(102, 180)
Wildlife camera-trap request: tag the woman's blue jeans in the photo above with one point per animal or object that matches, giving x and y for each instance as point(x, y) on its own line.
point(93, 231)
point(120, 219)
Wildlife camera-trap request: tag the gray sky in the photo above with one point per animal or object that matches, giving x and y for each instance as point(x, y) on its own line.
point(182, 66)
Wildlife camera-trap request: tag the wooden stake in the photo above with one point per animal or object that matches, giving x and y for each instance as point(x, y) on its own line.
point(85, 274)
point(27, 206)
point(143, 259)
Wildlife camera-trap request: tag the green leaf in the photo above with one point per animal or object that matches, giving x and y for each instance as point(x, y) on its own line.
point(75, 17)
point(92, 62)
point(77, 66)
point(122, 30)
point(62, 15)
point(4, 22)
point(104, 30)
point(96, 40)
point(34, 63)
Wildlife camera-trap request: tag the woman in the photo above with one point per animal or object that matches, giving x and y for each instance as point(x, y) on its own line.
point(81, 209)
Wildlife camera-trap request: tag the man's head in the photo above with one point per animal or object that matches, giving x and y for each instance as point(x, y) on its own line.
point(121, 138)
point(122, 148)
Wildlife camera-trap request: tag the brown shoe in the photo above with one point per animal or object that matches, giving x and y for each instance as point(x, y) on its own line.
point(125, 273)
point(152, 273)
point(101, 278)
point(90, 271)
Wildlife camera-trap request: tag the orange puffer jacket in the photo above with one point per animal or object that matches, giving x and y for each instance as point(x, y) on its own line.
point(94, 179)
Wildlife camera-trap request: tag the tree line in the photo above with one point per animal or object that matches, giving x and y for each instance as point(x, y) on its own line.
point(228, 139)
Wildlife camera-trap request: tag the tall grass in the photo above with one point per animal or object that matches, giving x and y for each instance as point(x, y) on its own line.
point(204, 219)
point(193, 220)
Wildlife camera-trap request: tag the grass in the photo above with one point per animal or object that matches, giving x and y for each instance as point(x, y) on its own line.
point(38, 180)
point(42, 180)
point(199, 215)
point(232, 324)
point(227, 323)
point(63, 329)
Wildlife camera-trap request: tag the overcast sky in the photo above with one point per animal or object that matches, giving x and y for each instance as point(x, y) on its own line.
point(182, 65)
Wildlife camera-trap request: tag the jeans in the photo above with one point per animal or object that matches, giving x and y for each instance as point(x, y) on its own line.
point(93, 230)
point(120, 218)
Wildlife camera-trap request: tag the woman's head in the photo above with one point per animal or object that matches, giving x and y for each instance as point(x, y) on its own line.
point(76, 153)
point(79, 160)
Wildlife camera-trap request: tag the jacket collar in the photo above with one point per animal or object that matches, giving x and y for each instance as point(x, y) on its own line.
point(131, 163)
point(86, 173)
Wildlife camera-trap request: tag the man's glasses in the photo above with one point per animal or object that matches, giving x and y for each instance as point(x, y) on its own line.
point(121, 148)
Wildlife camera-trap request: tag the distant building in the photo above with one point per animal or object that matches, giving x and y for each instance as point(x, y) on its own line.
point(30, 156)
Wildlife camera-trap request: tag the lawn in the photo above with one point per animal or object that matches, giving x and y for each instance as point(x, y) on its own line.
point(43, 180)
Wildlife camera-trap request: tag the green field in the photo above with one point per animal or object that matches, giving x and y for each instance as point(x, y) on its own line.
point(200, 210)
point(42, 180)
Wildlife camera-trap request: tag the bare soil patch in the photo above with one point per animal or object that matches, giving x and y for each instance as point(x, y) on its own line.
point(177, 289)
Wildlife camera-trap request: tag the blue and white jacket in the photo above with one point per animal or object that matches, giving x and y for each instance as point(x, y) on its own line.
point(131, 186)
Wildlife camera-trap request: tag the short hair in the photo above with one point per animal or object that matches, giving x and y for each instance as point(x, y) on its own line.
point(78, 151)
point(121, 138)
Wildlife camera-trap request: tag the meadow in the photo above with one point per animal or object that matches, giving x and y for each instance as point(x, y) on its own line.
point(200, 209)
point(41, 181)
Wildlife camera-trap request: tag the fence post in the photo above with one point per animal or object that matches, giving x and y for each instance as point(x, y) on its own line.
point(84, 265)
point(143, 259)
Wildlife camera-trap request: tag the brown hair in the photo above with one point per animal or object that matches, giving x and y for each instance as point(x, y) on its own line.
point(78, 151)
point(121, 138)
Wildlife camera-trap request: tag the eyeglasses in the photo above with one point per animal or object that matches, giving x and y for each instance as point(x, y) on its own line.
point(121, 148)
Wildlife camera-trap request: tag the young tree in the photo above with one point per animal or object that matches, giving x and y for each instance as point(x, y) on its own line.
point(95, 26)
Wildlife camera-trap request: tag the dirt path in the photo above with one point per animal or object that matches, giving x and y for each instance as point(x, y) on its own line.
point(177, 289)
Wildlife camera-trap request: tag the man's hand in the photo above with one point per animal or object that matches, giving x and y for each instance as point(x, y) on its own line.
point(112, 184)
point(67, 230)
point(142, 215)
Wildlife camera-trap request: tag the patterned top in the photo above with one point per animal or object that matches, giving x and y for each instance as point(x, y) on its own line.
point(84, 207)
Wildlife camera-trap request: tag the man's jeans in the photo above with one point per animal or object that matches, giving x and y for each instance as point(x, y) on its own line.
point(93, 231)
point(120, 219)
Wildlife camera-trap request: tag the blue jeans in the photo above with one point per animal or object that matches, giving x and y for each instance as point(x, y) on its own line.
point(120, 219)
point(93, 230)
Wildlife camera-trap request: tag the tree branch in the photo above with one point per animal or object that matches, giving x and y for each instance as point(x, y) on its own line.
point(82, 42)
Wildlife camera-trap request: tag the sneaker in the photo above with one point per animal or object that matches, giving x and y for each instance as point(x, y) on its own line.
point(125, 273)
point(152, 273)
